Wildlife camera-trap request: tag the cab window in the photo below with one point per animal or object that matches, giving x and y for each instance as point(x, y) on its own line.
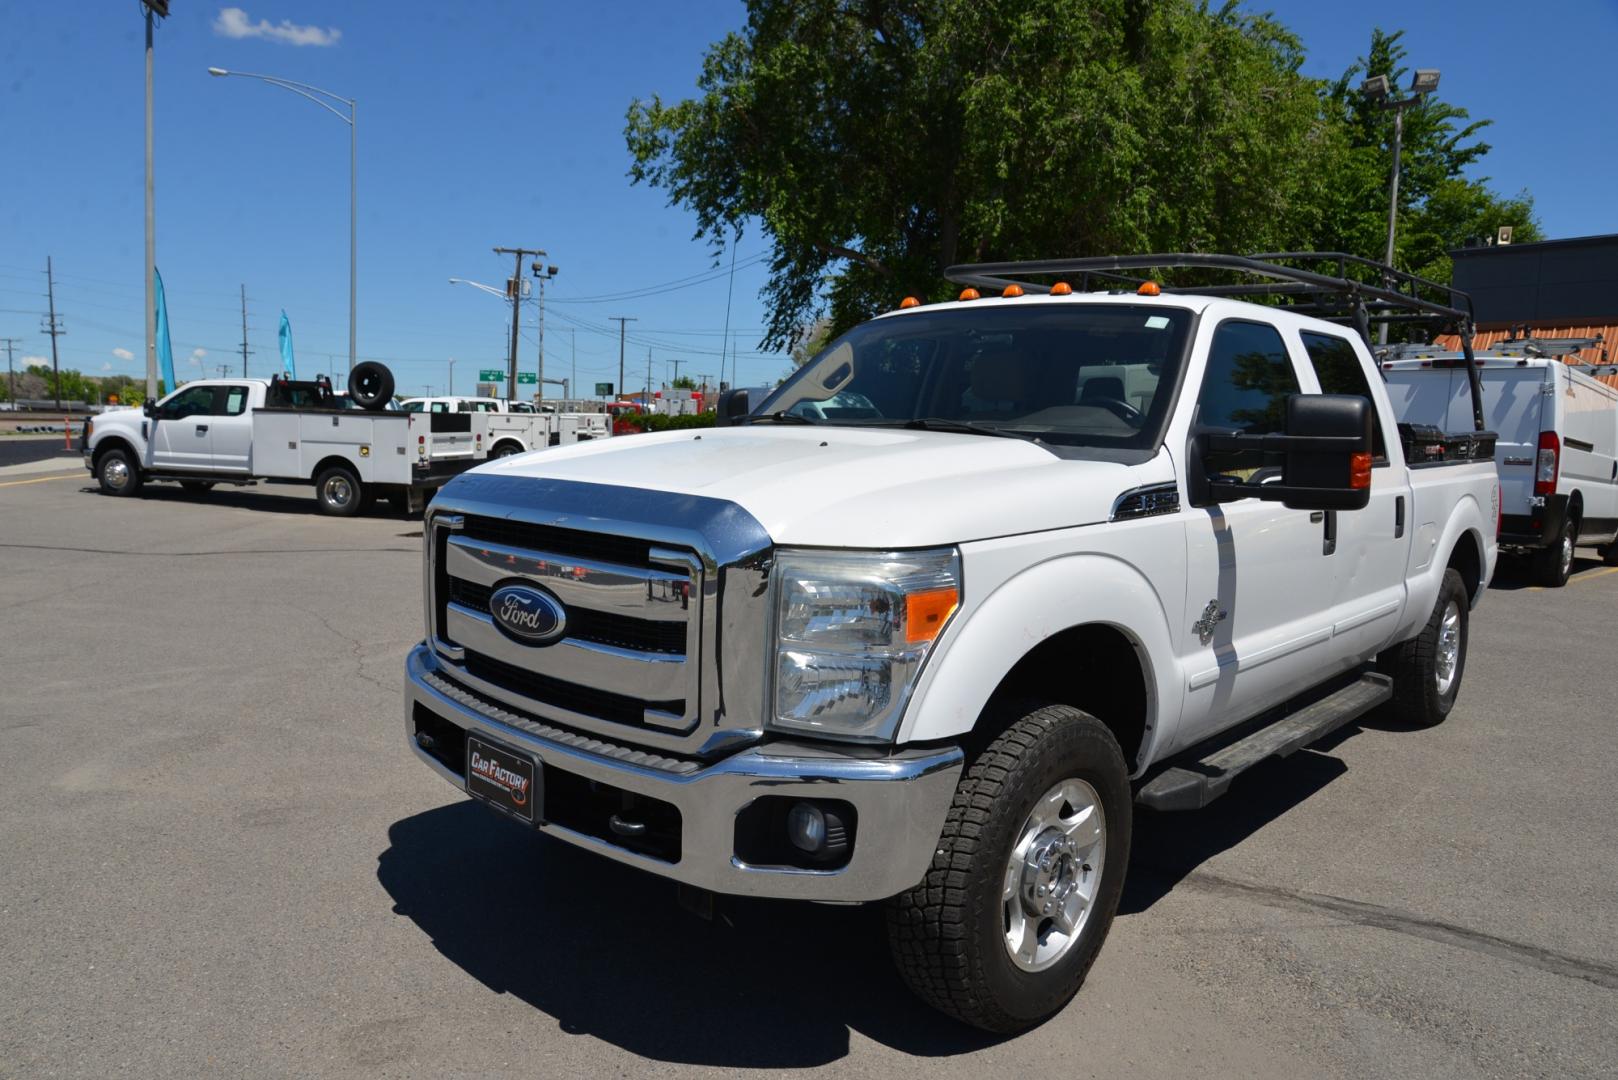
point(1244, 392)
point(1339, 370)
point(192, 401)
point(231, 401)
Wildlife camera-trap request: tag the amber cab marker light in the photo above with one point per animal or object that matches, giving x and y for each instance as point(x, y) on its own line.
point(969, 293)
point(1150, 288)
point(1061, 288)
point(1359, 472)
point(1011, 290)
point(909, 302)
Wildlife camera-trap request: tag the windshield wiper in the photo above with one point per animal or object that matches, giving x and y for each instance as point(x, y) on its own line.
point(781, 418)
point(959, 427)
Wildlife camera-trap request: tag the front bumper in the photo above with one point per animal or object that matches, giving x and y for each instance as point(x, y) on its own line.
point(900, 798)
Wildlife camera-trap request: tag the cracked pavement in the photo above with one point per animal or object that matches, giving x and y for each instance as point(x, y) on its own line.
point(218, 857)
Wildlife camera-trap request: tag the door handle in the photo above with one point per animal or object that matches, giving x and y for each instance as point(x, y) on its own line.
point(1398, 517)
point(1328, 543)
point(202, 429)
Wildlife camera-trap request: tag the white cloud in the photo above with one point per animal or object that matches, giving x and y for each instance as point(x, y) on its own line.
point(233, 22)
point(108, 366)
point(197, 355)
point(122, 354)
point(29, 361)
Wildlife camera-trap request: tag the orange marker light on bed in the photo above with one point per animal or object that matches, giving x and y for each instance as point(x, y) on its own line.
point(1011, 290)
point(969, 293)
point(909, 302)
point(1061, 288)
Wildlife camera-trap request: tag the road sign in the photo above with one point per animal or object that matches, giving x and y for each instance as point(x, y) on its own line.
point(527, 378)
point(603, 389)
point(492, 375)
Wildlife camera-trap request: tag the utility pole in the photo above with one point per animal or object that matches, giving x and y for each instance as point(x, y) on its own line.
point(53, 327)
point(11, 372)
point(542, 274)
point(573, 351)
point(514, 290)
point(154, 9)
point(621, 320)
point(451, 377)
point(676, 364)
point(245, 349)
point(648, 378)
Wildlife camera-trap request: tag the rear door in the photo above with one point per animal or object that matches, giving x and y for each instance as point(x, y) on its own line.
point(1589, 465)
point(232, 428)
point(182, 436)
point(1514, 408)
point(1366, 549)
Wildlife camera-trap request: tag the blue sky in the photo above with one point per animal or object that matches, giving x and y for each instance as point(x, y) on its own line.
point(500, 123)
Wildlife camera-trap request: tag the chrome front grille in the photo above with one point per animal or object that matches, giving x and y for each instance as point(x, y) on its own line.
point(640, 658)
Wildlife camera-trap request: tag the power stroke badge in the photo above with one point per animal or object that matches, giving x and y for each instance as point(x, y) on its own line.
point(501, 778)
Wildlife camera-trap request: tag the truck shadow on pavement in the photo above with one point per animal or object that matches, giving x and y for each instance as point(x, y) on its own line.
point(605, 950)
point(1167, 847)
point(296, 499)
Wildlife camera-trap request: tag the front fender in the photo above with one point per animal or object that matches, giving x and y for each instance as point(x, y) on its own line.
point(1025, 610)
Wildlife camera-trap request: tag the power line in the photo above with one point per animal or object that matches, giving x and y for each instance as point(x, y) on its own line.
point(711, 274)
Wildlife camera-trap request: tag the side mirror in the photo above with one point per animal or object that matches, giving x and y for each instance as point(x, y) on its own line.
point(731, 407)
point(1326, 455)
point(149, 409)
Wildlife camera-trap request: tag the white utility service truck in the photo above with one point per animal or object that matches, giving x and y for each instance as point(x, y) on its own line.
point(1557, 447)
point(515, 427)
point(241, 431)
point(1074, 551)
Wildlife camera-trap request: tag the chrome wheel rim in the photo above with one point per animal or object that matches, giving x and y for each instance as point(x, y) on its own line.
point(339, 491)
point(116, 473)
point(1449, 647)
point(1052, 875)
point(1567, 554)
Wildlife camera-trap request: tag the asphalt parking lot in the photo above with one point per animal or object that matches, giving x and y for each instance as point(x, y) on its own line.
point(218, 857)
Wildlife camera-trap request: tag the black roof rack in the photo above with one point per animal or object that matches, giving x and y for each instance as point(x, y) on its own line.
point(1330, 285)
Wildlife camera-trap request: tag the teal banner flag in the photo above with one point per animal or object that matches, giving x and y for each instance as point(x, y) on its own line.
point(286, 346)
point(165, 353)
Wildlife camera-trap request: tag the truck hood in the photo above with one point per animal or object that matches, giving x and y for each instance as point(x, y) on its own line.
point(856, 487)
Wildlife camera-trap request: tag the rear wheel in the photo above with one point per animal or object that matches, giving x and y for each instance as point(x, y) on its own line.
point(338, 492)
point(1427, 669)
point(117, 472)
point(1553, 564)
point(1026, 876)
point(505, 449)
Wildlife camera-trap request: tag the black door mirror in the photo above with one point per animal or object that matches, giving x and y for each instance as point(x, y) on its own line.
point(732, 406)
point(149, 409)
point(1326, 454)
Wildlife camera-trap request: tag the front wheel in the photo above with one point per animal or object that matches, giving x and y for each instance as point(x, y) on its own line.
point(117, 473)
point(1427, 669)
point(338, 492)
point(1026, 876)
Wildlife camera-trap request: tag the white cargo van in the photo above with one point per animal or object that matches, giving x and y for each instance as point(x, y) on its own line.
point(1558, 442)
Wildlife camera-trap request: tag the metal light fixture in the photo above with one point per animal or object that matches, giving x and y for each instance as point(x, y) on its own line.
point(1375, 88)
point(1425, 81)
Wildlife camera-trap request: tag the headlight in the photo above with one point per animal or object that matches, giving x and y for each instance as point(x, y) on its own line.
point(852, 631)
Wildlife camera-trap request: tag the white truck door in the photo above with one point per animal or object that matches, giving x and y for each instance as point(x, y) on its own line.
point(232, 429)
point(1367, 560)
point(182, 433)
point(1258, 589)
point(1589, 466)
point(1514, 402)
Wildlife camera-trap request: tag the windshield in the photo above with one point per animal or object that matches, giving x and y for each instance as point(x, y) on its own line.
point(1071, 374)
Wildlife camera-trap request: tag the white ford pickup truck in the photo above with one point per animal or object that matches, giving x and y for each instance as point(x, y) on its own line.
point(1034, 558)
point(236, 431)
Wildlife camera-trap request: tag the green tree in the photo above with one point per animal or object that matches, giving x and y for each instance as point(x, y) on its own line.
point(878, 143)
point(1439, 208)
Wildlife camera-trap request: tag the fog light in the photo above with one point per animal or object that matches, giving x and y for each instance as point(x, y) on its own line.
point(806, 828)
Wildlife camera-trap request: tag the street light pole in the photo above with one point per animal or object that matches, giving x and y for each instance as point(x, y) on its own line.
point(1379, 90)
point(451, 377)
point(542, 274)
point(352, 120)
point(154, 9)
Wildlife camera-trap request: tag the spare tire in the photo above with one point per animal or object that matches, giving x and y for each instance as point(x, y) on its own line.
point(370, 385)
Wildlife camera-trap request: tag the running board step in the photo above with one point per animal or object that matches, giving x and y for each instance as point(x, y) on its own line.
point(1197, 783)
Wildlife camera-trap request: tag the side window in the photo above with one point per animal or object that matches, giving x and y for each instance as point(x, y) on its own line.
point(192, 401)
point(1339, 370)
point(232, 401)
point(1244, 391)
point(438, 406)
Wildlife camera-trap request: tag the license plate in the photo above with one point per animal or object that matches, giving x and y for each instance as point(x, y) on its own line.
point(506, 780)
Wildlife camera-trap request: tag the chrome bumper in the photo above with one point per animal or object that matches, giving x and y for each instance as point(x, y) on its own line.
point(900, 798)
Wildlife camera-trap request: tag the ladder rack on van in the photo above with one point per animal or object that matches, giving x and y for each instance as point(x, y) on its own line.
point(1329, 285)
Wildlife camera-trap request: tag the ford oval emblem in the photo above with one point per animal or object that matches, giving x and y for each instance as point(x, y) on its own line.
point(528, 615)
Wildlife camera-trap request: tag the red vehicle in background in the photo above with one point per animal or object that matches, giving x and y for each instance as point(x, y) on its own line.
point(627, 417)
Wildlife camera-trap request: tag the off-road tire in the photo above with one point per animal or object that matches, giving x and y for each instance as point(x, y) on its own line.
point(108, 467)
point(329, 498)
point(1413, 664)
point(1553, 564)
point(947, 933)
